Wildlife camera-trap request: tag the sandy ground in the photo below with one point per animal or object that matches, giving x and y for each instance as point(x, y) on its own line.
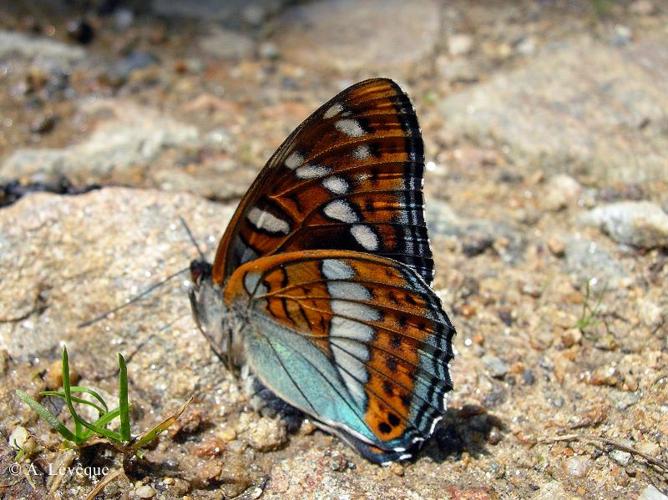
point(545, 126)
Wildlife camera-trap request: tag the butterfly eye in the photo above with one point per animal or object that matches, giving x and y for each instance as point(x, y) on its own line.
point(199, 270)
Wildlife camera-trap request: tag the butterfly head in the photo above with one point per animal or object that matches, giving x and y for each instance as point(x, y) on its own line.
point(221, 326)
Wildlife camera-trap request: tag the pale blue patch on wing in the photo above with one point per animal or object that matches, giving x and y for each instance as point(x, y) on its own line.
point(300, 374)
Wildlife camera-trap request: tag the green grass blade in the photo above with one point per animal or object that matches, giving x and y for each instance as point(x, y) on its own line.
point(68, 400)
point(47, 416)
point(123, 403)
point(103, 421)
point(101, 411)
point(79, 388)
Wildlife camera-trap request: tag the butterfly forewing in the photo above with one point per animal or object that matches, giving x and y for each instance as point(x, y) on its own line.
point(349, 178)
point(370, 331)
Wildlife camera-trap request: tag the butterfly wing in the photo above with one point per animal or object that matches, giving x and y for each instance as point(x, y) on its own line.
point(349, 177)
point(357, 341)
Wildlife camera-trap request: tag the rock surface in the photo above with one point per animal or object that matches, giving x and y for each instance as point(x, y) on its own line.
point(230, 11)
point(552, 117)
point(590, 262)
point(39, 49)
point(119, 149)
point(348, 36)
point(637, 223)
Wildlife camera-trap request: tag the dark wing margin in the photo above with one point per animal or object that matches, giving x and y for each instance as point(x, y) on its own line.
point(349, 178)
point(379, 326)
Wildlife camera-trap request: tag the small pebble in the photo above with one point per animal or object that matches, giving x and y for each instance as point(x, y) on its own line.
point(571, 337)
point(556, 246)
point(145, 491)
point(578, 466)
point(54, 375)
point(267, 434)
point(18, 437)
point(605, 375)
point(528, 377)
point(560, 192)
point(476, 244)
point(397, 469)
point(496, 367)
point(460, 44)
point(623, 458)
point(227, 434)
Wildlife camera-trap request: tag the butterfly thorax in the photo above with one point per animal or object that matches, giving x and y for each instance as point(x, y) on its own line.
point(222, 325)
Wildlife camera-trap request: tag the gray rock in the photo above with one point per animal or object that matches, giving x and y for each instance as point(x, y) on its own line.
point(38, 48)
point(588, 262)
point(623, 458)
point(622, 399)
point(651, 493)
point(123, 68)
point(348, 35)
point(227, 44)
point(133, 139)
point(229, 11)
point(549, 115)
point(496, 367)
point(441, 219)
point(638, 223)
point(476, 235)
point(560, 192)
point(86, 254)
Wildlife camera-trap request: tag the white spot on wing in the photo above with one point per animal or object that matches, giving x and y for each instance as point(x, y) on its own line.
point(361, 152)
point(346, 290)
point(312, 171)
point(294, 160)
point(354, 310)
point(336, 185)
point(333, 111)
point(337, 269)
point(269, 222)
point(350, 127)
point(340, 210)
point(344, 327)
point(365, 236)
point(356, 349)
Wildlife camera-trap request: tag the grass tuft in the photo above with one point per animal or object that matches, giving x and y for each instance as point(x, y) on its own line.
point(590, 315)
point(99, 429)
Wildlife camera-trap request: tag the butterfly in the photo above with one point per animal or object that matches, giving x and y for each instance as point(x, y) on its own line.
point(321, 281)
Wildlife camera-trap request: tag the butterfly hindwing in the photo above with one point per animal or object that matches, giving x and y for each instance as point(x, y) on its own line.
point(348, 178)
point(357, 341)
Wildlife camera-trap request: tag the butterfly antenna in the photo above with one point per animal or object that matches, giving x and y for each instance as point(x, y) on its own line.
point(192, 238)
point(134, 299)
